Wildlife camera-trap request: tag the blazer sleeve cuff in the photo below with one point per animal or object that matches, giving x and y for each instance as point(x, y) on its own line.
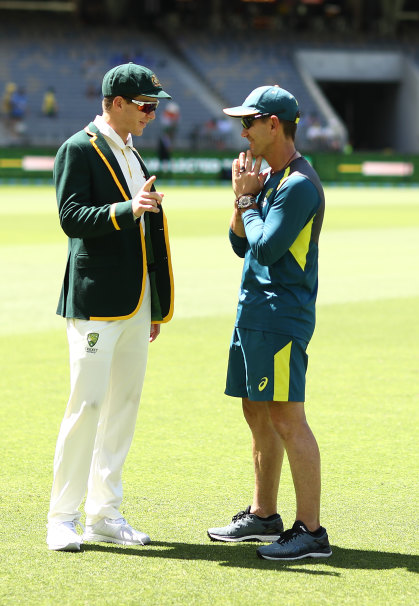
point(121, 215)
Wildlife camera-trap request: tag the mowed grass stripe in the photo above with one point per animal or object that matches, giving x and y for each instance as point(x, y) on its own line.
point(29, 214)
point(189, 468)
point(355, 265)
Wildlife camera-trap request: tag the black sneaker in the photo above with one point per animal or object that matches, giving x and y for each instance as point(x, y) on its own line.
point(246, 526)
point(297, 543)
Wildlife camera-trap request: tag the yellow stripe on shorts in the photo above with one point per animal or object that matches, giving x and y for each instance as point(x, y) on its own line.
point(282, 374)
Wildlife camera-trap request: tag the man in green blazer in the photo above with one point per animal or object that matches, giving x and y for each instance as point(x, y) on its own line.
point(117, 290)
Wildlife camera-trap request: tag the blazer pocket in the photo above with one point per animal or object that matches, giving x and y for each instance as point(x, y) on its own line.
point(86, 261)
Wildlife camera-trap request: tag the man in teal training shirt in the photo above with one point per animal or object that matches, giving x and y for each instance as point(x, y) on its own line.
point(275, 227)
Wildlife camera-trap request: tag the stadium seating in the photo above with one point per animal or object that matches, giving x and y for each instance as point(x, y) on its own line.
point(73, 60)
point(204, 71)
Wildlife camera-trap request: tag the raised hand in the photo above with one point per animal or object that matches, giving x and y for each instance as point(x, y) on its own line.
point(147, 200)
point(246, 176)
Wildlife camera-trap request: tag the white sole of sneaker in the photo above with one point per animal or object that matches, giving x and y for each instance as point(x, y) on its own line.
point(306, 555)
point(253, 537)
point(99, 538)
point(68, 547)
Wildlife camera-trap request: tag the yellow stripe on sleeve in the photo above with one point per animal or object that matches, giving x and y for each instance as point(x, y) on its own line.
point(113, 217)
point(299, 249)
point(282, 374)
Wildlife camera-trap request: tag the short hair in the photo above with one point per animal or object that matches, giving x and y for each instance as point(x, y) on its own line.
point(290, 128)
point(107, 103)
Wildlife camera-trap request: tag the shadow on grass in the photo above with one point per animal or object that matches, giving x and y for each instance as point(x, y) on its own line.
point(243, 555)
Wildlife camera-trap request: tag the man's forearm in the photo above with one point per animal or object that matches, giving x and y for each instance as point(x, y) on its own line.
point(236, 224)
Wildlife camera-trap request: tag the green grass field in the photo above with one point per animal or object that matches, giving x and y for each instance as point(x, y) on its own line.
point(189, 466)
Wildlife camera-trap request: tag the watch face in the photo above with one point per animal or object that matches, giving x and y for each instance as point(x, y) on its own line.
point(245, 202)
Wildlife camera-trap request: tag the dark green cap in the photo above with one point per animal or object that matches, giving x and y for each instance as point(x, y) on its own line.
point(271, 100)
point(131, 80)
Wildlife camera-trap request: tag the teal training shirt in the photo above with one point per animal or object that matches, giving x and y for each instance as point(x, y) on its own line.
point(280, 274)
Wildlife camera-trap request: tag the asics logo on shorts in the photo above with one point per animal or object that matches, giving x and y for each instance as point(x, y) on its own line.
point(263, 383)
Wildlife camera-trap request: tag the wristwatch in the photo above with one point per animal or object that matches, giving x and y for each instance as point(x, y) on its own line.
point(245, 201)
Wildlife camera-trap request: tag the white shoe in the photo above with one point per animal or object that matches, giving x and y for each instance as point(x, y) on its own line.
point(62, 536)
point(115, 531)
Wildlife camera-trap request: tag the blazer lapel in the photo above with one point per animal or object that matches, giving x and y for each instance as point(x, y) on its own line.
point(100, 145)
point(141, 161)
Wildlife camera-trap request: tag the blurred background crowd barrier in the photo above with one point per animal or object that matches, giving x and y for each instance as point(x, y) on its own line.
point(352, 65)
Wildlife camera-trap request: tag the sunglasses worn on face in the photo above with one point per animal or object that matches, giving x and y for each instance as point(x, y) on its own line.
point(247, 122)
point(145, 106)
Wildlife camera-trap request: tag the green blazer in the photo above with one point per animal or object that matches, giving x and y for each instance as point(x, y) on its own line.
point(108, 252)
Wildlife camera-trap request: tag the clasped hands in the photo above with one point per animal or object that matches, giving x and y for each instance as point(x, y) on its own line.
point(246, 177)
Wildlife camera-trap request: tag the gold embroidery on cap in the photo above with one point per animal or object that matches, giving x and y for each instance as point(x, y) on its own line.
point(155, 80)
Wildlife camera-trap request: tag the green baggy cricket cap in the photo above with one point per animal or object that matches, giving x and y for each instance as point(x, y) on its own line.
point(272, 100)
point(131, 80)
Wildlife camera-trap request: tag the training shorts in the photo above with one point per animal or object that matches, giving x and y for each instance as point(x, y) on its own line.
point(266, 367)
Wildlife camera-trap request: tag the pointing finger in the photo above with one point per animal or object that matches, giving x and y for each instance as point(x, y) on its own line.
point(147, 185)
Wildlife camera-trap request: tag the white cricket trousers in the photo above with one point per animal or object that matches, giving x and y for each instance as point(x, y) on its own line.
point(106, 379)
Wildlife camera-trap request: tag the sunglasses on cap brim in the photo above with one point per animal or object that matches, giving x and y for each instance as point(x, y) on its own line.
point(145, 106)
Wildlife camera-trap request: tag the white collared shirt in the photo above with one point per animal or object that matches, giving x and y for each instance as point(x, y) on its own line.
point(127, 160)
point(126, 157)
